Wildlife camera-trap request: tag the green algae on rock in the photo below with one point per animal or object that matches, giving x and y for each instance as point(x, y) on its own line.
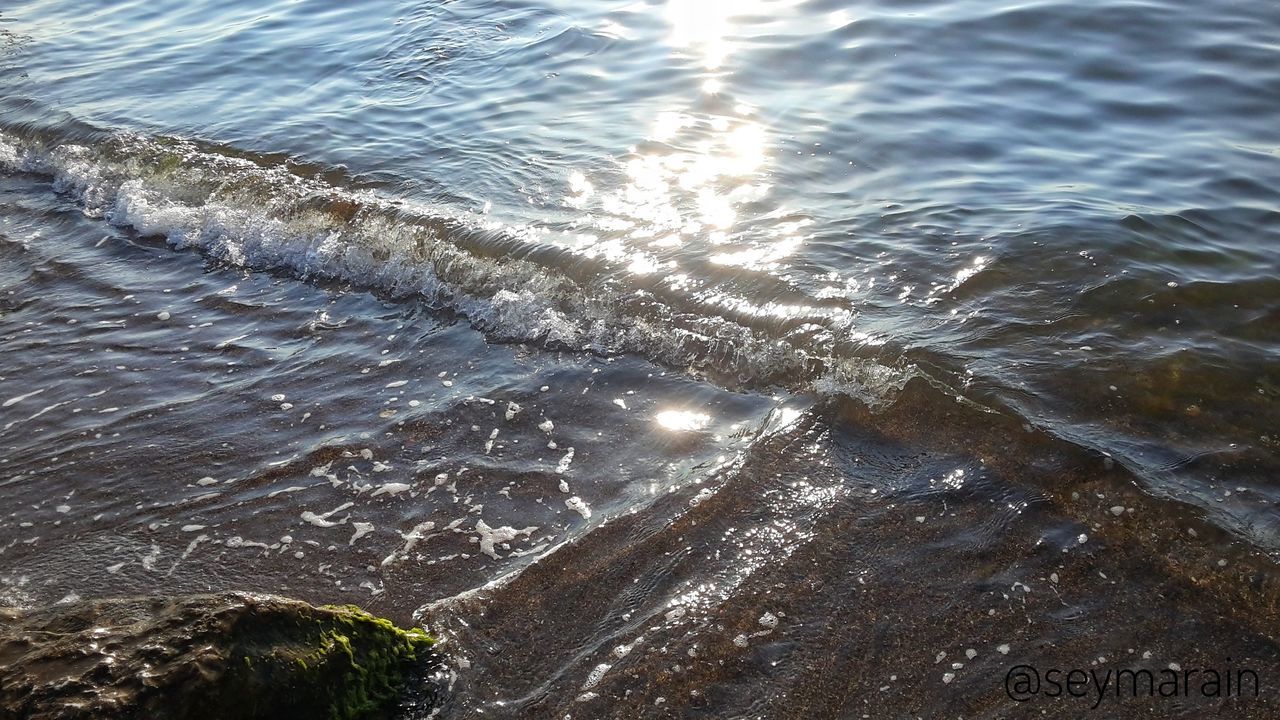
point(229, 656)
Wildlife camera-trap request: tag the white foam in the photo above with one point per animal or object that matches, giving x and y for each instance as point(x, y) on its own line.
point(149, 560)
point(238, 542)
point(596, 675)
point(391, 489)
point(563, 465)
point(322, 521)
point(191, 547)
point(579, 506)
point(411, 540)
point(491, 537)
point(293, 489)
point(361, 529)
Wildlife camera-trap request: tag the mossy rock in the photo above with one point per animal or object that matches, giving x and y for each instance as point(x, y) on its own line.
point(231, 656)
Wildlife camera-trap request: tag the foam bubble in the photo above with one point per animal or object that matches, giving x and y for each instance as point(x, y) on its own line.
point(361, 529)
point(490, 537)
point(322, 521)
point(579, 506)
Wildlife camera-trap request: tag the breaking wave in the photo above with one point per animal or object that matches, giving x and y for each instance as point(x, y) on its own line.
point(259, 213)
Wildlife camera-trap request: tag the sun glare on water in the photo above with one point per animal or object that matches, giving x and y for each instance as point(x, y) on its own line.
point(682, 420)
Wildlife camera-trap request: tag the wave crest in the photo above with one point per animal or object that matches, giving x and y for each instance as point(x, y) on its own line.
point(257, 214)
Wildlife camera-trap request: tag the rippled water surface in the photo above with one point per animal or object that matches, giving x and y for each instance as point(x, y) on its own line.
point(696, 359)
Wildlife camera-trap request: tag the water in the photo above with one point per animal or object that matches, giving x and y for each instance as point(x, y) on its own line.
point(654, 353)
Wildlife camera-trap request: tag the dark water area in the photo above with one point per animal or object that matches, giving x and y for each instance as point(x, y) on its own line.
point(666, 359)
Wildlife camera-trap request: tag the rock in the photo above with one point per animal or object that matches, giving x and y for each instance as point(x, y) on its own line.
point(230, 656)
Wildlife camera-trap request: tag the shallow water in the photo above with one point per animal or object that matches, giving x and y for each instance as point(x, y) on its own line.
point(656, 351)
